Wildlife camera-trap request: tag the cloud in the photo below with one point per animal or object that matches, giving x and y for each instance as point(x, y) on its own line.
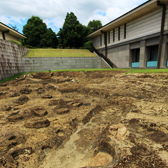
point(53, 12)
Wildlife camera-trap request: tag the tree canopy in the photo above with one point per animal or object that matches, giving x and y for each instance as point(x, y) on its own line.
point(94, 25)
point(73, 33)
point(37, 33)
point(49, 39)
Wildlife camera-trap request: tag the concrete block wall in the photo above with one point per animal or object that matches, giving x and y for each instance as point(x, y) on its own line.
point(35, 64)
point(11, 58)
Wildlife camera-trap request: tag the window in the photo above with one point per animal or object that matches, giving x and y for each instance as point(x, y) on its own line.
point(113, 35)
point(109, 37)
point(153, 53)
point(125, 31)
point(135, 55)
point(100, 40)
point(119, 33)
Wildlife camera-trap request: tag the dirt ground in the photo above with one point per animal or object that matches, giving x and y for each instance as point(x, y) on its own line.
point(106, 119)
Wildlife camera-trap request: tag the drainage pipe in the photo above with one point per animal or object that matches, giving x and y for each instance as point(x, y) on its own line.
point(105, 41)
point(161, 32)
point(3, 34)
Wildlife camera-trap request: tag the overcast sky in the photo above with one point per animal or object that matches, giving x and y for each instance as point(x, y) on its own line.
point(53, 12)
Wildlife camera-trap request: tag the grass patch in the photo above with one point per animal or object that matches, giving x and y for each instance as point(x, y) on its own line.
point(12, 77)
point(147, 70)
point(59, 53)
point(77, 70)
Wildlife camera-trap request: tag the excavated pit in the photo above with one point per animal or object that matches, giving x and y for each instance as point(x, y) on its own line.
point(101, 119)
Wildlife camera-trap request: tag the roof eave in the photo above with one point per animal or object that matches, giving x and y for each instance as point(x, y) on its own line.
point(137, 12)
point(12, 32)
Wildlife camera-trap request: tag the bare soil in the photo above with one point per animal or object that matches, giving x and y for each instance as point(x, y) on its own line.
point(106, 119)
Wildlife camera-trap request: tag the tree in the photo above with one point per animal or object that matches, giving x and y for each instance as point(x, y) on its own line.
point(94, 25)
point(72, 34)
point(34, 30)
point(49, 39)
point(13, 27)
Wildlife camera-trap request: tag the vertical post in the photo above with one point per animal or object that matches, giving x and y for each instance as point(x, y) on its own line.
point(161, 32)
point(105, 40)
point(143, 55)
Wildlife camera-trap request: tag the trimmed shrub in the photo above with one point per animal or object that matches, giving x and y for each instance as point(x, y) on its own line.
point(88, 45)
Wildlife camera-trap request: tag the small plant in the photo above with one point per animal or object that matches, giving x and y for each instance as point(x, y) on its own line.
point(16, 42)
point(29, 46)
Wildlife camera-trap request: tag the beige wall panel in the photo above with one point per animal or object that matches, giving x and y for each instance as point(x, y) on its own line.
point(111, 36)
point(116, 35)
point(9, 37)
point(96, 42)
point(166, 20)
point(1, 37)
point(122, 33)
point(145, 25)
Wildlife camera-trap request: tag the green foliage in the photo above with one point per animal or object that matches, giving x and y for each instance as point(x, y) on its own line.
point(33, 30)
point(16, 42)
point(11, 78)
point(94, 25)
point(88, 45)
point(13, 27)
point(72, 33)
point(49, 39)
point(29, 46)
point(38, 35)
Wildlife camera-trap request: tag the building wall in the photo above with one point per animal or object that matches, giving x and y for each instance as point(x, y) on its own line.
point(120, 56)
point(140, 34)
point(140, 27)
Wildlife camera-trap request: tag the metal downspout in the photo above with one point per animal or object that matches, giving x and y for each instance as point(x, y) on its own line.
point(105, 41)
point(161, 32)
point(3, 34)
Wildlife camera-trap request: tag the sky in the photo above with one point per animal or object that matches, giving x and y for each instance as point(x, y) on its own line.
point(53, 12)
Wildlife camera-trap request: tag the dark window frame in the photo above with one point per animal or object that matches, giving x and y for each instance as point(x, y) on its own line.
point(100, 40)
point(152, 51)
point(113, 35)
point(125, 31)
point(119, 33)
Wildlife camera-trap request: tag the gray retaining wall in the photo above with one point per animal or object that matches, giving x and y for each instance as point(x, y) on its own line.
point(34, 64)
point(13, 62)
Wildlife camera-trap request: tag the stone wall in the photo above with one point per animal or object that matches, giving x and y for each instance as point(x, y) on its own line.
point(11, 61)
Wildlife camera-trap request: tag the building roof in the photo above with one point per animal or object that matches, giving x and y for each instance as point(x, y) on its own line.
point(11, 32)
point(142, 10)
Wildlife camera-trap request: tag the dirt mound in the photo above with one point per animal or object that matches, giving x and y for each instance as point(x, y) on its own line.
point(84, 119)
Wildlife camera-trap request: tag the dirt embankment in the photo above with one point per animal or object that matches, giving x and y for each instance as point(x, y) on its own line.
point(84, 119)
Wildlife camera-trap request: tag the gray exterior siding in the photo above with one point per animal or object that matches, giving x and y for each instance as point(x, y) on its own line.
point(140, 33)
